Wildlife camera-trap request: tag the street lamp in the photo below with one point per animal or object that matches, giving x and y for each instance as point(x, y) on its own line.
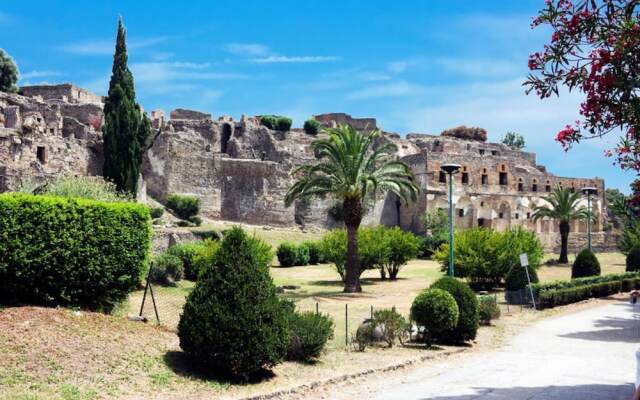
point(589, 191)
point(450, 169)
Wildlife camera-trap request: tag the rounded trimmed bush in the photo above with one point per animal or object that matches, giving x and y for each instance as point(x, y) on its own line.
point(302, 255)
point(287, 254)
point(311, 126)
point(310, 333)
point(467, 326)
point(517, 278)
point(633, 260)
point(436, 311)
point(233, 322)
point(166, 269)
point(586, 264)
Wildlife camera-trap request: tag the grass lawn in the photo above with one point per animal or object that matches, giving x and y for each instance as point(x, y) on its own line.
point(609, 263)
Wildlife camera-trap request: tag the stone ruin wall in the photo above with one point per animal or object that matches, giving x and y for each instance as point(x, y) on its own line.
point(45, 134)
point(241, 170)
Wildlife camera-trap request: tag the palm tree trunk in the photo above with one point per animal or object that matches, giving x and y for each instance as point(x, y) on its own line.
point(352, 209)
point(564, 242)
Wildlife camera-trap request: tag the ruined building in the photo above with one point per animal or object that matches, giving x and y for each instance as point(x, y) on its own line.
point(241, 170)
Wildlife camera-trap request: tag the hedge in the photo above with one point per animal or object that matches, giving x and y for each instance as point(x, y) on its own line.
point(559, 297)
point(549, 295)
point(184, 206)
point(57, 251)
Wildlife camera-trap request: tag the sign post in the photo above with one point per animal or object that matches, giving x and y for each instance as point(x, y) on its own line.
point(524, 261)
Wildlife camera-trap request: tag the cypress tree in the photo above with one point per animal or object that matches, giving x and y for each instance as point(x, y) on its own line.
point(126, 128)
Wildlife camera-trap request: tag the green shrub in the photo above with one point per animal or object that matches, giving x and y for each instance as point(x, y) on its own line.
point(485, 256)
point(166, 269)
point(334, 250)
point(302, 255)
point(553, 298)
point(195, 220)
point(71, 252)
point(156, 212)
point(436, 311)
point(233, 321)
point(262, 250)
point(517, 278)
point(183, 206)
point(363, 337)
point(276, 122)
point(633, 260)
point(373, 249)
point(401, 247)
point(187, 252)
point(311, 126)
point(467, 326)
point(488, 309)
point(430, 244)
point(204, 256)
point(630, 237)
point(208, 234)
point(392, 324)
point(287, 254)
point(436, 227)
point(315, 252)
point(310, 333)
point(586, 264)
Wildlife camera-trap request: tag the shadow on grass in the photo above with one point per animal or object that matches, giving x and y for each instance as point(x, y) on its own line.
point(182, 365)
point(363, 282)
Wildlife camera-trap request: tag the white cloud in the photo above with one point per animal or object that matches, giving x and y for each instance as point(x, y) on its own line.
point(40, 74)
point(373, 76)
point(293, 59)
point(392, 89)
point(107, 46)
point(398, 66)
point(172, 71)
point(247, 49)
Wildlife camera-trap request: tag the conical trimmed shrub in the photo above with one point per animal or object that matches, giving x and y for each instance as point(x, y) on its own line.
point(633, 260)
point(586, 264)
point(233, 322)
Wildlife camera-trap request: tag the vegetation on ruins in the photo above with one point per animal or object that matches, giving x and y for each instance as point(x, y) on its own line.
point(352, 169)
point(311, 126)
point(562, 206)
point(595, 50)
point(84, 187)
point(485, 256)
point(233, 321)
point(126, 128)
point(465, 132)
point(184, 206)
point(57, 251)
point(8, 73)
point(513, 140)
point(276, 122)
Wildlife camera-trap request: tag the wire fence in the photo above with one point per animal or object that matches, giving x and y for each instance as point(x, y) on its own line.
point(163, 304)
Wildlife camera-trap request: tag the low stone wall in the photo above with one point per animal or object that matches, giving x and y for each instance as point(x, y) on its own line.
point(163, 238)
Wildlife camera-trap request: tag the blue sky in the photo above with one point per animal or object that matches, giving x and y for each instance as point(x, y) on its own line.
point(417, 66)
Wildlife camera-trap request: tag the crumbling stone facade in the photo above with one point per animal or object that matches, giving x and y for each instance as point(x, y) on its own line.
point(241, 170)
point(53, 131)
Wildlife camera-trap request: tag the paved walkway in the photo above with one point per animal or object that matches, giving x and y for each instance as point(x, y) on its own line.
point(582, 356)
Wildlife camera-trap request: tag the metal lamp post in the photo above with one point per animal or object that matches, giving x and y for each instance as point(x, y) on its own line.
point(589, 191)
point(450, 170)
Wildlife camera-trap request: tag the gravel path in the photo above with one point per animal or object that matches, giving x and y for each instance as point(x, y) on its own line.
point(582, 356)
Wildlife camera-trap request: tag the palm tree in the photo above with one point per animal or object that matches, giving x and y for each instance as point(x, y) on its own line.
point(563, 207)
point(352, 169)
